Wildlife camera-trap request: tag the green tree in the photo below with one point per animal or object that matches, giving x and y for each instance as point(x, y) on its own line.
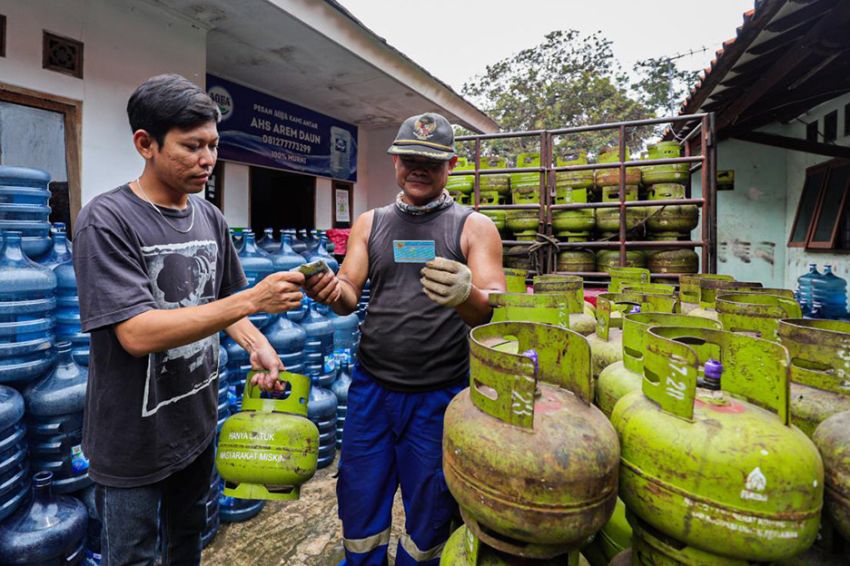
point(570, 80)
point(567, 80)
point(661, 85)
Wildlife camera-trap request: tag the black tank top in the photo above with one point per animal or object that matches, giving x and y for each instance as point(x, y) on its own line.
point(408, 342)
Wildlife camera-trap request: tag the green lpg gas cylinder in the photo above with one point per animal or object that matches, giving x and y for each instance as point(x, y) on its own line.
point(464, 549)
point(681, 218)
point(515, 280)
point(575, 179)
point(606, 344)
point(577, 260)
point(623, 377)
point(672, 260)
point(461, 183)
point(708, 289)
point(525, 187)
point(757, 313)
point(609, 259)
point(611, 176)
point(565, 221)
point(499, 217)
point(669, 173)
point(722, 470)
point(621, 276)
point(608, 219)
point(529, 459)
point(551, 308)
point(517, 257)
point(614, 538)
point(269, 448)
point(820, 386)
point(651, 547)
point(580, 318)
point(496, 182)
point(689, 289)
point(832, 438)
point(462, 199)
point(523, 222)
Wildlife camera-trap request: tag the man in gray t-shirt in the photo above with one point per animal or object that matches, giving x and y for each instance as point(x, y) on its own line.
point(158, 278)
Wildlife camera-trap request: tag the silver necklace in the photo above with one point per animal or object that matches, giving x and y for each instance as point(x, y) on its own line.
point(167, 221)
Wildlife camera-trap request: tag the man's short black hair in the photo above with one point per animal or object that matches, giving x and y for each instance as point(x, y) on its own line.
point(164, 102)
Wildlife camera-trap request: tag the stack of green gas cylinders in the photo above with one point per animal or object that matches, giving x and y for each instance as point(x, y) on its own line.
point(731, 415)
point(670, 222)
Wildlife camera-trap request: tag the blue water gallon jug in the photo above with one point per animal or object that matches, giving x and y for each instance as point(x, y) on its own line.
point(286, 258)
point(223, 385)
point(59, 251)
point(321, 409)
point(298, 314)
point(236, 238)
point(14, 465)
point(24, 198)
point(346, 337)
point(320, 253)
point(804, 289)
point(50, 530)
point(311, 241)
point(288, 339)
point(298, 240)
point(27, 306)
point(268, 243)
point(257, 265)
point(232, 510)
point(829, 295)
point(238, 366)
point(340, 389)
point(319, 349)
point(68, 325)
point(55, 423)
point(213, 519)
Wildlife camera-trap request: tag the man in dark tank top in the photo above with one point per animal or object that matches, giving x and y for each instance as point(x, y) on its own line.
point(431, 265)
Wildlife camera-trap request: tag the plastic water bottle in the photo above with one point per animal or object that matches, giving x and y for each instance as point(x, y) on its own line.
point(59, 251)
point(340, 389)
point(288, 339)
point(268, 242)
point(298, 243)
point(55, 423)
point(804, 289)
point(14, 469)
point(24, 207)
point(829, 294)
point(322, 410)
point(320, 253)
point(286, 258)
point(68, 325)
point(223, 388)
point(257, 265)
point(319, 349)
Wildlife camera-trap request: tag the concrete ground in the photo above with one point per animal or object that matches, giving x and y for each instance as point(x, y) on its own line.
point(306, 532)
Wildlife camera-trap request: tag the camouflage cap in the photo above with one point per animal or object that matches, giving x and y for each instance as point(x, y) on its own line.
point(426, 135)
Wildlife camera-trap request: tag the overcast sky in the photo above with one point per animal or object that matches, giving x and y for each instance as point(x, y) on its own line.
point(456, 39)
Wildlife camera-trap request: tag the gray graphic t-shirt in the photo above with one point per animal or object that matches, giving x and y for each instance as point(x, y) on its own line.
point(148, 417)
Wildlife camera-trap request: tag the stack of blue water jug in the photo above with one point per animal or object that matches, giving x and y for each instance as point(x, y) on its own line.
point(822, 295)
point(42, 383)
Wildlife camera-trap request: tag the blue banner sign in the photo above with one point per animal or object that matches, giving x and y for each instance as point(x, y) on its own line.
point(259, 129)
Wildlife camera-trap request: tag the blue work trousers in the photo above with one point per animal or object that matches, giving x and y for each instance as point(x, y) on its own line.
point(393, 439)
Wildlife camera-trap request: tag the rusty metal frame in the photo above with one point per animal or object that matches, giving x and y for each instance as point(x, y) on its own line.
point(703, 135)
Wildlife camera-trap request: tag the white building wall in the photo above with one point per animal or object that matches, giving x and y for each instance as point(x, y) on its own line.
point(125, 42)
point(379, 182)
point(324, 203)
point(236, 203)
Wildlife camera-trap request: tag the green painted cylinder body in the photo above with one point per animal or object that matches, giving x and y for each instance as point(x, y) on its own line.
point(681, 218)
point(669, 173)
point(529, 459)
point(832, 437)
point(551, 308)
point(621, 378)
point(461, 183)
point(564, 221)
point(611, 540)
point(608, 219)
point(499, 217)
point(607, 259)
point(708, 290)
point(689, 289)
point(720, 471)
point(819, 369)
point(576, 179)
point(672, 260)
point(464, 549)
point(498, 182)
point(269, 448)
point(577, 260)
point(611, 176)
point(517, 257)
point(523, 220)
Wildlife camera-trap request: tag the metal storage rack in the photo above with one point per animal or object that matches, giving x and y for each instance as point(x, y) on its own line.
point(702, 135)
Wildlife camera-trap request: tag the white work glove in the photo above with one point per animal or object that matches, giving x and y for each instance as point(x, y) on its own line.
point(446, 282)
